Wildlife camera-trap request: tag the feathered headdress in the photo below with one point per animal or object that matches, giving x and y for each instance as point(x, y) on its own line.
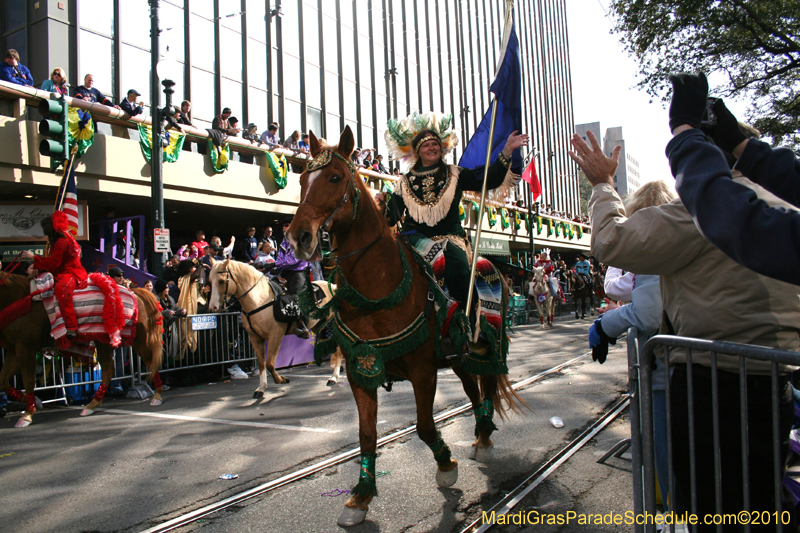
point(399, 135)
point(59, 221)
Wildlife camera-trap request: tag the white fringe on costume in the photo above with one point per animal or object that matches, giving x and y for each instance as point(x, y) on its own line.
point(429, 214)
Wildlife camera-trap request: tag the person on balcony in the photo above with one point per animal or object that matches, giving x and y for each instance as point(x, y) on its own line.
point(57, 82)
point(88, 93)
point(222, 124)
point(13, 71)
point(130, 104)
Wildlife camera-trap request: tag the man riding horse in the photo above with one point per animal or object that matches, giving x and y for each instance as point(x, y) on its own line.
point(428, 196)
point(584, 268)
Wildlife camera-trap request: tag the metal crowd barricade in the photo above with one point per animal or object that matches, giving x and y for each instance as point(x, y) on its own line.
point(642, 437)
point(218, 338)
point(71, 379)
point(222, 340)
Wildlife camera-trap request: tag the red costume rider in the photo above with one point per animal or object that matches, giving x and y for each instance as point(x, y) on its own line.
point(64, 263)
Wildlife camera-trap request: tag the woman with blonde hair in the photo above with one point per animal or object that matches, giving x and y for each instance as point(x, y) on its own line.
point(57, 82)
point(644, 313)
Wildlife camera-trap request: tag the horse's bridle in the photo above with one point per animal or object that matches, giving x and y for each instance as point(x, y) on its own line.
point(322, 160)
point(228, 277)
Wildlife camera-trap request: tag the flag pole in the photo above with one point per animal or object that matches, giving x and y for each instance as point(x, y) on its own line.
point(509, 18)
point(480, 209)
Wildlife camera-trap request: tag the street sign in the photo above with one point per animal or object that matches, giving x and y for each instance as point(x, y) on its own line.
point(161, 240)
point(204, 322)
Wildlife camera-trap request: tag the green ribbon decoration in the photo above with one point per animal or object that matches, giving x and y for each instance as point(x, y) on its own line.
point(366, 479)
point(278, 168)
point(170, 153)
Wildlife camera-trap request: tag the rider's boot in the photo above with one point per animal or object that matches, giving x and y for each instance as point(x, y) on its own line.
point(302, 331)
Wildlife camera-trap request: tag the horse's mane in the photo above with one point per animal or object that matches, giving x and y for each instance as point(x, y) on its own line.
point(13, 280)
point(239, 268)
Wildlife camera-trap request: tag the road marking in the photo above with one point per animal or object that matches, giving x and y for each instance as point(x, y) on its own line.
point(216, 421)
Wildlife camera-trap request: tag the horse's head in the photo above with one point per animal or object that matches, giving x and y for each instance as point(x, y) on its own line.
point(538, 274)
point(223, 285)
point(329, 195)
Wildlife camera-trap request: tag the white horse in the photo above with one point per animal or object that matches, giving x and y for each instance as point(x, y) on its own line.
point(540, 292)
point(252, 289)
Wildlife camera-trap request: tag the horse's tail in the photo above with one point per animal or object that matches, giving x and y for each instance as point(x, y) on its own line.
point(504, 397)
point(153, 324)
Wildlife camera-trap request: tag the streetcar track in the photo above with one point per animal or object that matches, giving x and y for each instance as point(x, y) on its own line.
point(344, 457)
point(518, 493)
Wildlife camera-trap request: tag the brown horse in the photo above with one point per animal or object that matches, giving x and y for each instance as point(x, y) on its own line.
point(26, 335)
point(334, 197)
point(582, 292)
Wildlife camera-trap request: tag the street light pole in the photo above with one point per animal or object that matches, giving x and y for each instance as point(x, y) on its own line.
point(156, 179)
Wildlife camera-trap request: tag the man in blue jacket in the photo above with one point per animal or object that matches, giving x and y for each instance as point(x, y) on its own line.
point(130, 105)
point(88, 93)
point(762, 238)
point(12, 71)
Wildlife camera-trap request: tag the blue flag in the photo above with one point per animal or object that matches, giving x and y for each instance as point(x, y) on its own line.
point(507, 88)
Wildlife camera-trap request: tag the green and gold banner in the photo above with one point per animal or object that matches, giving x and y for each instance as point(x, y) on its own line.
point(220, 157)
point(170, 152)
point(278, 168)
point(81, 130)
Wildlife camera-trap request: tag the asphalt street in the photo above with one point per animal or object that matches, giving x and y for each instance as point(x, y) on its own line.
point(130, 466)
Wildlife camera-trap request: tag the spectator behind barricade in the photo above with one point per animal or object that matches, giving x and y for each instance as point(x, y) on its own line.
point(13, 71)
point(396, 172)
point(250, 246)
point(367, 161)
point(728, 212)
point(303, 145)
point(131, 105)
point(118, 276)
point(292, 143)
point(267, 237)
point(379, 165)
point(227, 251)
point(57, 82)
point(122, 244)
point(170, 312)
point(270, 136)
point(705, 295)
point(265, 258)
point(186, 119)
point(199, 242)
point(643, 313)
point(221, 123)
point(88, 93)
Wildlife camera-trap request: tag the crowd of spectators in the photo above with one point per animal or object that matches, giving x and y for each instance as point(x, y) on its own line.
point(547, 210)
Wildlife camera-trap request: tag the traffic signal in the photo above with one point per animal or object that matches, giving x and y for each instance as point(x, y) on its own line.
point(54, 126)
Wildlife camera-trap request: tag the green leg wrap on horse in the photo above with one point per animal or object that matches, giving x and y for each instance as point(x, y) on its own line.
point(366, 480)
point(483, 417)
point(440, 450)
point(456, 273)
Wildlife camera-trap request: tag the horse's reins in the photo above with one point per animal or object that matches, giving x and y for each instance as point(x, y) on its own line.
point(247, 314)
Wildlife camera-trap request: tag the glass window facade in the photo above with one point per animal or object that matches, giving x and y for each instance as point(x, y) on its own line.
point(321, 64)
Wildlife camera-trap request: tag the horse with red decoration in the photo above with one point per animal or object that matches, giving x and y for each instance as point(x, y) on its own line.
point(108, 316)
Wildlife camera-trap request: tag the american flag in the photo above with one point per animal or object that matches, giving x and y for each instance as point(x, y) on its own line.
point(67, 198)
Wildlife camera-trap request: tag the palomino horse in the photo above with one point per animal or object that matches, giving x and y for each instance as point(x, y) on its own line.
point(543, 297)
point(30, 332)
point(581, 292)
point(382, 297)
point(252, 289)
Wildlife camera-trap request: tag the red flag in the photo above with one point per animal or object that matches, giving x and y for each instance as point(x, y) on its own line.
point(532, 178)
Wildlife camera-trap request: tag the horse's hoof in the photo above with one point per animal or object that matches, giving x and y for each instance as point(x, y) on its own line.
point(286, 381)
point(22, 423)
point(258, 394)
point(351, 517)
point(39, 404)
point(447, 479)
point(483, 455)
point(331, 382)
point(87, 412)
point(155, 402)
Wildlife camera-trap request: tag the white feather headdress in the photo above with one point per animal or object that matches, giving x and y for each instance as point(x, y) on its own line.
point(399, 135)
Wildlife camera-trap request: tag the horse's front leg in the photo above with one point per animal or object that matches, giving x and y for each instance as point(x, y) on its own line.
point(273, 347)
point(423, 378)
point(355, 510)
point(105, 356)
point(32, 403)
point(258, 345)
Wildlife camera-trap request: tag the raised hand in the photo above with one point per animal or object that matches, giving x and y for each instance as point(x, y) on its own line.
point(689, 99)
point(598, 167)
